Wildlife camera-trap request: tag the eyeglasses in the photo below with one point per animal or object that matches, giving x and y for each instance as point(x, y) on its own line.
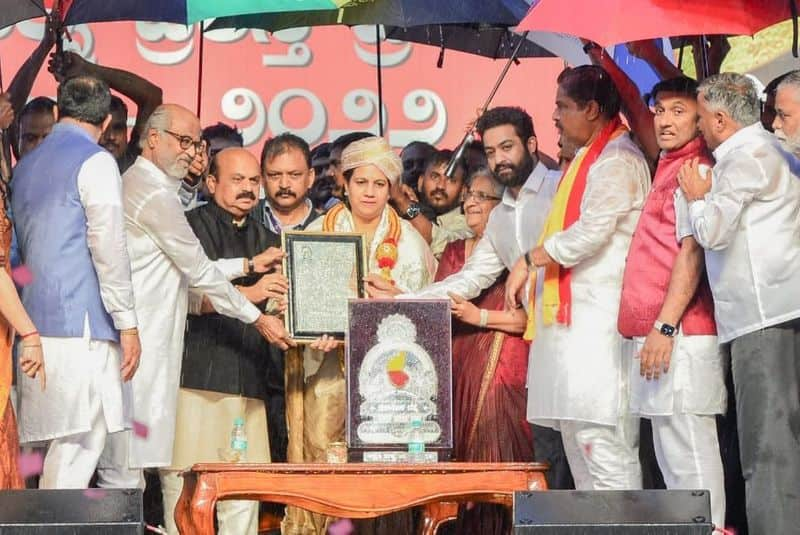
point(478, 196)
point(187, 141)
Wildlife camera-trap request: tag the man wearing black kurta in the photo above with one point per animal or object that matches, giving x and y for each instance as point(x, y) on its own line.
point(227, 365)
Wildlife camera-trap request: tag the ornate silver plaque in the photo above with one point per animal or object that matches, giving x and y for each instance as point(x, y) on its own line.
point(398, 363)
point(398, 384)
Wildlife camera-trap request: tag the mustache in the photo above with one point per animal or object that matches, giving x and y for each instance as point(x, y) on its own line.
point(286, 192)
point(439, 192)
point(502, 166)
point(246, 195)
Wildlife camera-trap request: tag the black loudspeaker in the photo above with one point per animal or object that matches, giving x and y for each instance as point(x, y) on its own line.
point(636, 512)
point(71, 512)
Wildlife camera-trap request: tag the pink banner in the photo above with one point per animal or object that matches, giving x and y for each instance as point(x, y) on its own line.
point(316, 82)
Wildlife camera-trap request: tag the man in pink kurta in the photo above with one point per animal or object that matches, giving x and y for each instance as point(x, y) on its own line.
point(666, 308)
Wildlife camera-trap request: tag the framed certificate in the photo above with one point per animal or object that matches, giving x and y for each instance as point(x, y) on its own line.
point(324, 269)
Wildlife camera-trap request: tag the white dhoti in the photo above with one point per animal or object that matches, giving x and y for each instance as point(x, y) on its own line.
point(85, 407)
point(578, 384)
point(682, 405)
point(603, 457)
point(203, 435)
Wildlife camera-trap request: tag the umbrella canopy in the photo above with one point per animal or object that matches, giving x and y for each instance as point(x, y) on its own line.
point(188, 11)
point(619, 21)
point(14, 11)
point(402, 13)
point(489, 41)
point(494, 42)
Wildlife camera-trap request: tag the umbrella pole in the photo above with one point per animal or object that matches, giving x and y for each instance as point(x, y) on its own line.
point(704, 57)
point(200, 69)
point(380, 79)
point(451, 167)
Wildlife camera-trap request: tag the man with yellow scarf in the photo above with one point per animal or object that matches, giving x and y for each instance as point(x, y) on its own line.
point(577, 377)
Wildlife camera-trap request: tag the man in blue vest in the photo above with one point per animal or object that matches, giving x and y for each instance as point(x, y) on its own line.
point(67, 200)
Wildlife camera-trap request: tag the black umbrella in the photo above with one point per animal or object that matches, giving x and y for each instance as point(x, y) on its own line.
point(489, 41)
point(403, 13)
point(14, 11)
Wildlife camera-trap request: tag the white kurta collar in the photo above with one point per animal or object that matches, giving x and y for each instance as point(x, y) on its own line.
point(533, 183)
point(153, 170)
point(741, 137)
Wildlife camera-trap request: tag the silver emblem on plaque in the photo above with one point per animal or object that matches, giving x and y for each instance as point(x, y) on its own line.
point(397, 383)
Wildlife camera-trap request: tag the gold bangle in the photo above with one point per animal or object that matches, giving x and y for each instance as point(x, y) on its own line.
point(133, 331)
point(26, 346)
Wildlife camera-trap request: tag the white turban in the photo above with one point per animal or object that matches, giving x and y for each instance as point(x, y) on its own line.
point(373, 151)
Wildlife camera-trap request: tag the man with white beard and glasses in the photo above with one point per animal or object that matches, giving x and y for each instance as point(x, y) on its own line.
point(166, 259)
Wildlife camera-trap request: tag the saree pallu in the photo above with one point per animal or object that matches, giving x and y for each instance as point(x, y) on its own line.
point(489, 397)
point(9, 440)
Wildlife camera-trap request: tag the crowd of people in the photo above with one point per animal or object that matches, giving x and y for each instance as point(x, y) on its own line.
point(618, 282)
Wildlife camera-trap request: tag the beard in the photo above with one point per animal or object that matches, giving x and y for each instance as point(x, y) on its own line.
point(176, 170)
point(790, 144)
point(519, 173)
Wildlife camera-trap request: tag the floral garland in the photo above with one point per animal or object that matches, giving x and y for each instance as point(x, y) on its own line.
point(386, 252)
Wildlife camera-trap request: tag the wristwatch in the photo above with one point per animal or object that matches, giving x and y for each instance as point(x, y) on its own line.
point(413, 210)
point(528, 261)
point(251, 266)
point(665, 328)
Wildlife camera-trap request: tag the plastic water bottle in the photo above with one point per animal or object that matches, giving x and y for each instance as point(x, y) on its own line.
point(239, 441)
point(416, 442)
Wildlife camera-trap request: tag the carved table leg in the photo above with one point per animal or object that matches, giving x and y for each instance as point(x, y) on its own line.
point(436, 514)
point(203, 506)
point(183, 512)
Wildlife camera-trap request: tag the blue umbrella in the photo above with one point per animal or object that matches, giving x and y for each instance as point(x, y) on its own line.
point(187, 11)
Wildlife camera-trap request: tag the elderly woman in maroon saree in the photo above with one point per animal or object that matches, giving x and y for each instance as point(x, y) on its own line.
point(489, 367)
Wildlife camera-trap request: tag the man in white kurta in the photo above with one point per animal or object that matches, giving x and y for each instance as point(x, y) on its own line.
point(68, 203)
point(577, 377)
point(166, 258)
point(514, 227)
point(746, 215)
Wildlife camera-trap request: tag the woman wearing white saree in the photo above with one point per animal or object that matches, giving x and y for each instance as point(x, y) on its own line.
point(398, 258)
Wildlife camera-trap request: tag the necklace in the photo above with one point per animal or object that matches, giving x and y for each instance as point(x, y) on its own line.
point(386, 251)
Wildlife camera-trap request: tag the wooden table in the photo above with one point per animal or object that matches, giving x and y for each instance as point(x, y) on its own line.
point(353, 490)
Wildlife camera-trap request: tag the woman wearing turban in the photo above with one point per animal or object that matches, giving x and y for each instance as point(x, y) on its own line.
point(399, 260)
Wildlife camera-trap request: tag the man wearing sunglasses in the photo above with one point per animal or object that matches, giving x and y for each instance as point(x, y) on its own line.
point(166, 259)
